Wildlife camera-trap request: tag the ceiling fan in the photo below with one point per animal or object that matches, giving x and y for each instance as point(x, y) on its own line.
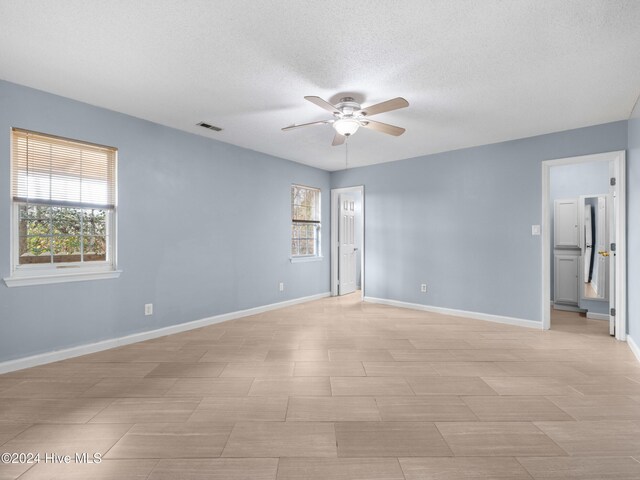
point(349, 116)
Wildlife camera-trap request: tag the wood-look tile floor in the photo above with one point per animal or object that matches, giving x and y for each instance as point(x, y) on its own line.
point(336, 389)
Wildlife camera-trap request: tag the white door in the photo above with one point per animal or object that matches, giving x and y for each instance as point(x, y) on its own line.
point(565, 224)
point(566, 279)
point(588, 243)
point(347, 245)
point(610, 257)
point(599, 279)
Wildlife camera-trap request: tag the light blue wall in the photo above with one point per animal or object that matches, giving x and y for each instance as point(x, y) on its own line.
point(571, 181)
point(461, 221)
point(203, 229)
point(633, 225)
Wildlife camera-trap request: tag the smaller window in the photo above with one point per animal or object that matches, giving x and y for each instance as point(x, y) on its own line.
point(305, 221)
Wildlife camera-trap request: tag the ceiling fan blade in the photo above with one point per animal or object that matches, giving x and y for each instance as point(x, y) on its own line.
point(323, 104)
point(291, 127)
point(393, 104)
point(338, 139)
point(383, 127)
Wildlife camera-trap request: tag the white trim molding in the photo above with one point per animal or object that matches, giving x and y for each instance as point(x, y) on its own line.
point(618, 161)
point(634, 347)
point(310, 258)
point(57, 355)
point(520, 322)
point(598, 316)
point(44, 279)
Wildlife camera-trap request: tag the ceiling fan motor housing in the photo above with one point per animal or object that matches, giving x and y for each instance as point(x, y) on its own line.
point(348, 106)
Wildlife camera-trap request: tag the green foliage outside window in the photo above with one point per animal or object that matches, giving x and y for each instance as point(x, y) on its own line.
point(62, 234)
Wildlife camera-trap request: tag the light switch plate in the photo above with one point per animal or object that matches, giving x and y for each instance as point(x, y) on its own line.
point(535, 230)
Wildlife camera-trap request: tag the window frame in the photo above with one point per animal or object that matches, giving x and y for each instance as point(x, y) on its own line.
point(60, 272)
point(317, 256)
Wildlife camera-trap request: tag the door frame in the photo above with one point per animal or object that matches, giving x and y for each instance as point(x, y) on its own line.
point(335, 195)
point(619, 161)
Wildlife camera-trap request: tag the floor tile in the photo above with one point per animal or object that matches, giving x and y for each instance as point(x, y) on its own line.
point(258, 369)
point(364, 386)
point(605, 438)
point(484, 355)
point(227, 354)
point(290, 386)
point(48, 388)
point(360, 355)
point(281, 439)
point(428, 408)
point(130, 387)
point(389, 439)
point(582, 468)
point(330, 369)
point(44, 410)
point(67, 439)
point(529, 385)
point(606, 385)
point(540, 369)
point(439, 344)
point(147, 410)
point(503, 439)
point(210, 387)
point(295, 355)
point(187, 370)
point(105, 470)
point(172, 440)
point(79, 370)
point(598, 407)
point(463, 468)
point(468, 369)
point(332, 409)
point(216, 469)
point(143, 352)
point(450, 386)
point(237, 409)
point(339, 469)
point(12, 471)
point(514, 408)
point(10, 430)
point(416, 355)
point(398, 369)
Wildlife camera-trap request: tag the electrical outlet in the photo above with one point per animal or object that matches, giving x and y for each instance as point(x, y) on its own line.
point(282, 286)
point(148, 309)
point(423, 288)
point(535, 230)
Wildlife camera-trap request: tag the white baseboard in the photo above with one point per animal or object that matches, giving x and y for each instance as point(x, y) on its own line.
point(57, 355)
point(520, 322)
point(598, 316)
point(634, 347)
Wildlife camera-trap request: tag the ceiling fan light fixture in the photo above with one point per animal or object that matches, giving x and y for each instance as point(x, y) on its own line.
point(346, 126)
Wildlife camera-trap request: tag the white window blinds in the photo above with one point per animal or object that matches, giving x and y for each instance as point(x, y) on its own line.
point(55, 171)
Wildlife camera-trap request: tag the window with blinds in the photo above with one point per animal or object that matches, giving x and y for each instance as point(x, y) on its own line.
point(305, 221)
point(64, 197)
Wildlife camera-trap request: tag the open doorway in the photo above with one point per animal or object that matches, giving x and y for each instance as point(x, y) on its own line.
point(584, 240)
point(347, 240)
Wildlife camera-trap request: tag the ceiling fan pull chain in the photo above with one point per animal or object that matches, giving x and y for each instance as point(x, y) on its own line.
point(346, 147)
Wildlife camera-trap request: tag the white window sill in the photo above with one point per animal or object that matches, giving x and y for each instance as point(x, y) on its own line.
point(23, 280)
point(306, 259)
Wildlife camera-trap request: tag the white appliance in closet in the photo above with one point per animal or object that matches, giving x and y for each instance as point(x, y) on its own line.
point(566, 252)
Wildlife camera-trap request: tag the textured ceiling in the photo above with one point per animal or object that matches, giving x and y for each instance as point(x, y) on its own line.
point(474, 72)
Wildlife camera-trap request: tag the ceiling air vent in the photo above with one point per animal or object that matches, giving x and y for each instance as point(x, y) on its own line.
point(209, 126)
